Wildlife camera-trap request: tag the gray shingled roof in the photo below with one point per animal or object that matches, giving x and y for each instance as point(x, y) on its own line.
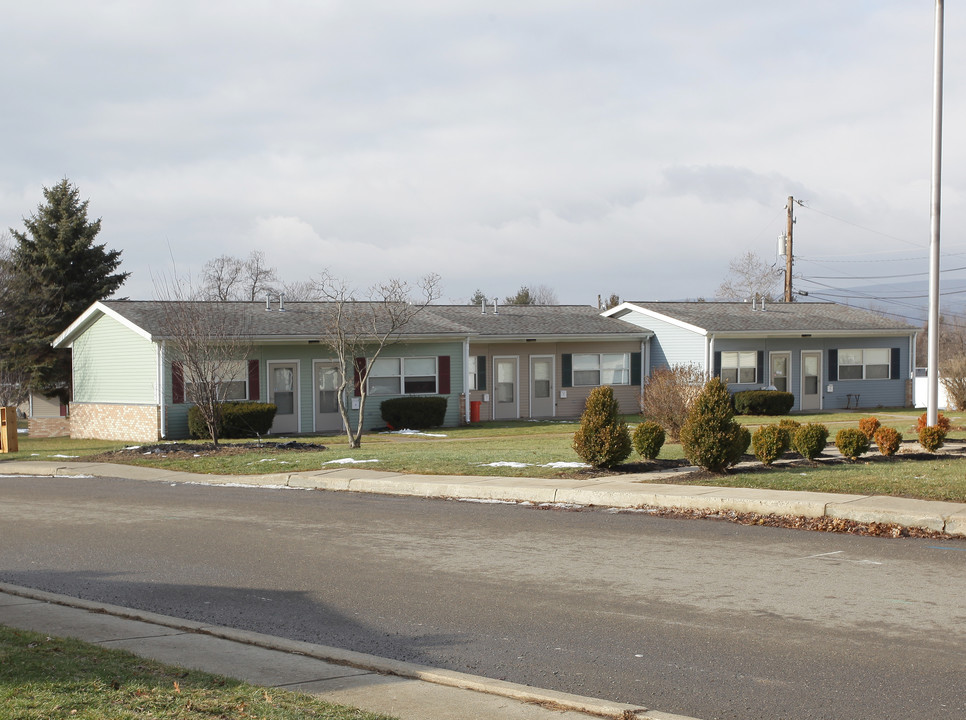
point(306, 319)
point(809, 317)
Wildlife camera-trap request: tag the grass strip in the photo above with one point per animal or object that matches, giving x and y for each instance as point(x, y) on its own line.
point(51, 678)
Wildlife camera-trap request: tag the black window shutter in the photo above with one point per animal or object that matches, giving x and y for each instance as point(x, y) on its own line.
point(442, 365)
point(717, 363)
point(359, 371)
point(636, 368)
point(481, 372)
point(833, 365)
point(253, 389)
point(567, 370)
point(761, 367)
point(177, 382)
point(894, 374)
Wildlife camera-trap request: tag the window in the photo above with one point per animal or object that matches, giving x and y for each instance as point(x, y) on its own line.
point(739, 367)
point(601, 369)
point(477, 372)
point(398, 376)
point(231, 378)
point(867, 364)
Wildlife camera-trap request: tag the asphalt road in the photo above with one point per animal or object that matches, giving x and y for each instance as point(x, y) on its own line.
point(701, 618)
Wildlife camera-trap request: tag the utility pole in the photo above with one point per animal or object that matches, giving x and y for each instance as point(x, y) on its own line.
point(788, 248)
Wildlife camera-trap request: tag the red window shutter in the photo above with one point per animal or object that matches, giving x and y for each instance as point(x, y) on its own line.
point(177, 382)
point(442, 368)
point(63, 410)
point(253, 390)
point(360, 370)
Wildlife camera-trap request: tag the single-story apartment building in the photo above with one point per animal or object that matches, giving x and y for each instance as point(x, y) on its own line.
point(502, 363)
point(829, 356)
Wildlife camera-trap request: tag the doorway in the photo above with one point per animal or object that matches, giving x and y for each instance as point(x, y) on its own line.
point(327, 381)
point(283, 392)
point(541, 386)
point(811, 379)
point(506, 404)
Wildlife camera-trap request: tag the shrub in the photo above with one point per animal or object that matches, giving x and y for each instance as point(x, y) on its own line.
point(952, 375)
point(238, 420)
point(790, 425)
point(648, 439)
point(809, 440)
point(602, 438)
point(415, 413)
point(942, 422)
point(770, 442)
point(869, 425)
point(710, 437)
point(888, 440)
point(668, 394)
point(763, 402)
point(931, 438)
point(852, 442)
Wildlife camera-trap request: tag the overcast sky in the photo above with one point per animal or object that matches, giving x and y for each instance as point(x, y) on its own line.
point(629, 147)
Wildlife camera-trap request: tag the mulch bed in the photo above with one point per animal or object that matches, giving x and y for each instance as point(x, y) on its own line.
point(189, 450)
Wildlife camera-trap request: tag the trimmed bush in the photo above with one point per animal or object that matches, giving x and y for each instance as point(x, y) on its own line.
point(932, 438)
point(770, 442)
point(763, 402)
point(809, 440)
point(413, 413)
point(790, 425)
point(602, 440)
point(852, 442)
point(869, 425)
point(710, 437)
point(648, 439)
point(942, 422)
point(238, 420)
point(888, 440)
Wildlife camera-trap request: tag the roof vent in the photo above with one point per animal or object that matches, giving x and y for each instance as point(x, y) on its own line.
point(496, 309)
point(483, 305)
point(268, 303)
point(281, 302)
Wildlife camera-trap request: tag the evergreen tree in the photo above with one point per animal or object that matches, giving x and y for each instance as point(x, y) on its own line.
point(56, 272)
point(602, 439)
point(710, 437)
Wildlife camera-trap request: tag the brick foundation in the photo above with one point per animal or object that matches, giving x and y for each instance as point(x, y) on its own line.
point(46, 427)
point(136, 423)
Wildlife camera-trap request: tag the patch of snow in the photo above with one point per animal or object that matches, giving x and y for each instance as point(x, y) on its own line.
point(565, 465)
point(347, 461)
point(21, 431)
point(505, 463)
point(133, 447)
point(64, 456)
point(488, 502)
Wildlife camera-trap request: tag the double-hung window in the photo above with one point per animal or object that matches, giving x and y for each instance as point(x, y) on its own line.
point(739, 367)
point(592, 369)
point(403, 376)
point(230, 377)
point(867, 364)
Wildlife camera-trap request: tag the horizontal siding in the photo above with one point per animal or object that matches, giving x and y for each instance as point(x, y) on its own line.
point(113, 364)
point(671, 344)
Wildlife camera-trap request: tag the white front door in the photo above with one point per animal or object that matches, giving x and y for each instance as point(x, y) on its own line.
point(283, 383)
point(327, 381)
point(780, 364)
point(811, 379)
point(506, 404)
point(541, 387)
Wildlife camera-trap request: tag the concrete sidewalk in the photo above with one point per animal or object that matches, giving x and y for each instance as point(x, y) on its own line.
point(620, 491)
point(403, 690)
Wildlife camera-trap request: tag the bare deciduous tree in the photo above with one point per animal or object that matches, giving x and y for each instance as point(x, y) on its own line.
point(231, 278)
point(210, 343)
point(750, 275)
point(363, 329)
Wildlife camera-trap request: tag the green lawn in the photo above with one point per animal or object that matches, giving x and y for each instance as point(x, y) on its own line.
point(44, 678)
point(536, 446)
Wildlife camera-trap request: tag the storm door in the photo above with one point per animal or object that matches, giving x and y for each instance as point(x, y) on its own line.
point(327, 381)
point(283, 391)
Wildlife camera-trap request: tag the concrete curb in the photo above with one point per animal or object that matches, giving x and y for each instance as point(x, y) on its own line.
point(363, 661)
point(615, 491)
